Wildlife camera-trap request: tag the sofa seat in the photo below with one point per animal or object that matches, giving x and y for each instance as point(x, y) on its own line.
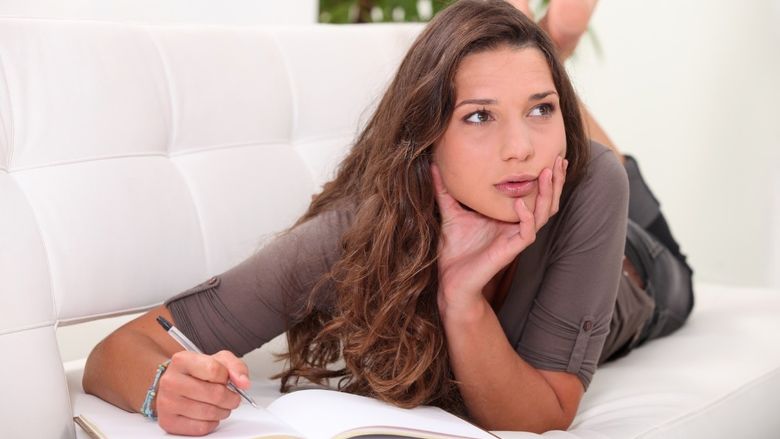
point(717, 377)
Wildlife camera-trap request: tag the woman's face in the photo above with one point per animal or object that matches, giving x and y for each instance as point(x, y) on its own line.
point(505, 129)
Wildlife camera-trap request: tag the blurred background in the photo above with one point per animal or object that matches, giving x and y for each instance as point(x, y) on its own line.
point(691, 88)
point(376, 11)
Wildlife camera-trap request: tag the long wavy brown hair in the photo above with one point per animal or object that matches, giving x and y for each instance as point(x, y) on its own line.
point(384, 321)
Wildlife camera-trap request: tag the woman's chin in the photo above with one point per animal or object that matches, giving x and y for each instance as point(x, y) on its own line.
point(507, 215)
point(502, 210)
point(513, 218)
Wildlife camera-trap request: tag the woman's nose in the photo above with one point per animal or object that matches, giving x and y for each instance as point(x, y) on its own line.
point(516, 142)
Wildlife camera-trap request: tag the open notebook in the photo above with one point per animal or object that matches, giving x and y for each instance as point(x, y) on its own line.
point(304, 414)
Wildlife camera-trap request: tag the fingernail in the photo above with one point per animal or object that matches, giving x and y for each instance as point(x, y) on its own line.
point(243, 377)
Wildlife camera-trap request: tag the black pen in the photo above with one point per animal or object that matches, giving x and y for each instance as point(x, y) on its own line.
point(190, 346)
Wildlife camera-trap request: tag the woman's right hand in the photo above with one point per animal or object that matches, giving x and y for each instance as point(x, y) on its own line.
point(193, 397)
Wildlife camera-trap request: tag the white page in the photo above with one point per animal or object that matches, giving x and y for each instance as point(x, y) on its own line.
point(115, 423)
point(322, 414)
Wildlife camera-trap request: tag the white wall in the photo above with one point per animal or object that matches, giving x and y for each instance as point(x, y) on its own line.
point(691, 88)
point(233, 12)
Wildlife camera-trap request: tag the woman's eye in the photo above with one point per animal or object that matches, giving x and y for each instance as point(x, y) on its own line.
point(543, 110)
point(478, 117)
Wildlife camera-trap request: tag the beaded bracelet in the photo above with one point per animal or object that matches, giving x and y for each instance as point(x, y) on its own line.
point(146, 408)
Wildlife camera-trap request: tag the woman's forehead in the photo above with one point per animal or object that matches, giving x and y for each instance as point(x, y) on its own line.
point(501, 70)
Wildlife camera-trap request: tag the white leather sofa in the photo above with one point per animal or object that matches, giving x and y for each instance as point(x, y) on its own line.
point(138, 160)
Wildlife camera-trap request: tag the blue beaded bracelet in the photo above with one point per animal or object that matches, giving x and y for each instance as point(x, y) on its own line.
point(146, 408)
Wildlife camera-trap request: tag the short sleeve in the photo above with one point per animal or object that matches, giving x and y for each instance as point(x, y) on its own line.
point(248, 305)
point(569, 320)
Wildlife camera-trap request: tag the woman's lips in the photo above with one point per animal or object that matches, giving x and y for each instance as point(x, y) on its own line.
point(517, 188)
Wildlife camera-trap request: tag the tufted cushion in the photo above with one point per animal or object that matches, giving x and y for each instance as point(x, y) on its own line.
point(137, 160)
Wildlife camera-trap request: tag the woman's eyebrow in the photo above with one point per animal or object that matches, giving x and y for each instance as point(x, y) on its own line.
point(477, 101)
point(483, 101)
point(542, 95)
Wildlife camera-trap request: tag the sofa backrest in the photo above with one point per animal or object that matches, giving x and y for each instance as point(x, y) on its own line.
point(137, 160)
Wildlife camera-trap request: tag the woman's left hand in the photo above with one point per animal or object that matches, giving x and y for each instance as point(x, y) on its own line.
point(473, 247)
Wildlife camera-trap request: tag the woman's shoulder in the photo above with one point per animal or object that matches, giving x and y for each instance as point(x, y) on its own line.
point(602, 192)
point(604, 166)
point(307, 249)
point(605, 179)
point(334, 220)
point(319, 235)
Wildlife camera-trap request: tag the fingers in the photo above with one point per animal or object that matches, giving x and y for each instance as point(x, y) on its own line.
point(202, 367)
point(200, 411)
point(559, 177)
point(237, 369)
point(217, 368)
point(550, 189)
point(547, 204)
point(544, 197)
point(192, 397)
point(448, 205)
point(174, 384)
point(186, 426)
point(525, 231)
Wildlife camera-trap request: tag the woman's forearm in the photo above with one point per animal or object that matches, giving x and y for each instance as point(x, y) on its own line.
point(121, 367)
point(500, 389)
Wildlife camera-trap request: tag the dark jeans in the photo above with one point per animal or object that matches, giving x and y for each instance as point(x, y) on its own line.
point(652, 249)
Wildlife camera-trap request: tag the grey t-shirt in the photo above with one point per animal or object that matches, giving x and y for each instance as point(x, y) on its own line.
point(558, 313)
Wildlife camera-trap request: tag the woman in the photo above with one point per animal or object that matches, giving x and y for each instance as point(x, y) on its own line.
point(467, 255)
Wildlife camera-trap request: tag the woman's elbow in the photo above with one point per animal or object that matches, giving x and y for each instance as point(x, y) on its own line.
point(537, 423)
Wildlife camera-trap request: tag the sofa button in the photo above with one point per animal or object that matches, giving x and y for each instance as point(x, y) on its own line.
point(587, 325)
